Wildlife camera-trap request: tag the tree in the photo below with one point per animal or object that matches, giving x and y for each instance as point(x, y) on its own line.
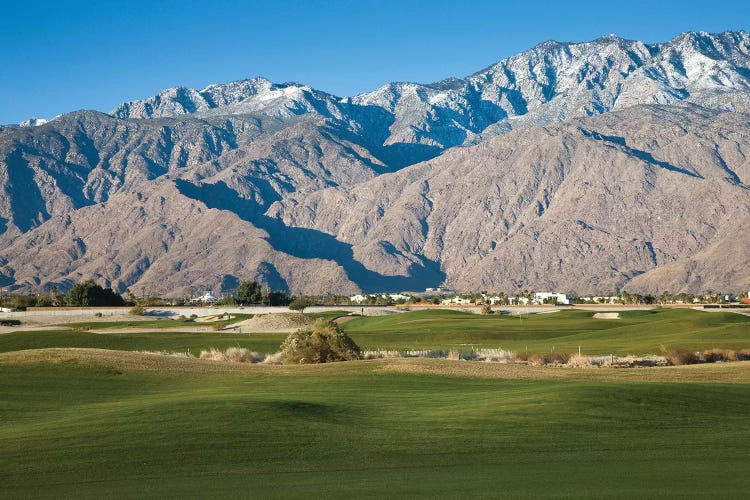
point(89, 293)
point(486, 309)
point(322, 342)
point(300, 304)
point(249, 292)
point(277, 298)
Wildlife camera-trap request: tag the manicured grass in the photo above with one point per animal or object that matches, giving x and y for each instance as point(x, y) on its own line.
point(329, 315)
point(636, 332)
point(151, 341)
point(93, 429)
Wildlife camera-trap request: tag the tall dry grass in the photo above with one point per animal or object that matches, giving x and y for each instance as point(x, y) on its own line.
point(233, 354)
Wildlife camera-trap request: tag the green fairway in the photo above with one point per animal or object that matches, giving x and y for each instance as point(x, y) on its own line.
point(192, 343)
point(94, 428)
point(636, 332)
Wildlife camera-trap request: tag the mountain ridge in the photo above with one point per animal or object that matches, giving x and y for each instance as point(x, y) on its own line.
point(465, 182)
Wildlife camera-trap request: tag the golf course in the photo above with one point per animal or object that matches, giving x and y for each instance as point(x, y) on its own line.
point(92, 415)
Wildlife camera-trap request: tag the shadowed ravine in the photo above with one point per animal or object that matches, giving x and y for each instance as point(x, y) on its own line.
point(307, 243)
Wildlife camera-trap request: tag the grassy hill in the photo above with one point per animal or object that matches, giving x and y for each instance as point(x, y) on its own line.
point(95, 424)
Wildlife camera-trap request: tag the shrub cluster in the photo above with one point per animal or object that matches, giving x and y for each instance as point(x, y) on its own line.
point(321, 342)
point(234, 354)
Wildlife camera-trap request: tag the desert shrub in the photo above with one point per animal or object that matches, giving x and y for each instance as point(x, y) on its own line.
point(381, 354)
point(554, 358)
point(492, 355)
point(138, 311)
point(715, 355)
point(522, 356)
point(217, 327)
point(193, 316)
point(582, 361)
point(486, 309)
point(233, 354)
point(10, 322)
point(321, 342)
point(743, 355)
point(273, 359)
point(678, 357)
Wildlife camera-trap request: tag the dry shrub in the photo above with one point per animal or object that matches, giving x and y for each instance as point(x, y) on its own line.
point(233, 354)
point(715, 355)
point(433, 354)
point(273, 359)
point(486, 309)
point(454, 355)
point(381, 354)
point(322, 342)
point(677, 357)
point(743, 355)
point(217, 327)
point(522, 356)
point(169, 353)
point(554, 358)
point(582, 361)
point(492, 355)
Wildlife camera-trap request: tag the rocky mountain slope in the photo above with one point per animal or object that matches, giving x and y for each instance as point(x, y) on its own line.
point(581, 167)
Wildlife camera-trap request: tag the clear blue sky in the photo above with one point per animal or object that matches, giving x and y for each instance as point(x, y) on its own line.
point(59, 56)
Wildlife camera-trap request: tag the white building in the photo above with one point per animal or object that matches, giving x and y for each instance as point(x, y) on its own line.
point(541, 297)
point(611, 299)
point(206, 298)
point(456, 301)
point(359, 298)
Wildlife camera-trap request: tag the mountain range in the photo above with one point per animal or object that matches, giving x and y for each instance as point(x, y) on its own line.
point(585, 167)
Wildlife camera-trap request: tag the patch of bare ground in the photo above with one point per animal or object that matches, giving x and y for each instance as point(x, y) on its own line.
point(737, 372)
point(607, 315)
point(273, 323)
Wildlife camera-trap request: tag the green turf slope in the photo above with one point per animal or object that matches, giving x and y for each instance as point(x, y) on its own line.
point(98, 429)
point(636, 332)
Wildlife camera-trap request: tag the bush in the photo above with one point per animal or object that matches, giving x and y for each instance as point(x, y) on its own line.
point(89, 294)
point(743, 355)
point(218, 327)
point(10, 322)
point(138, 311)
point(322, 342)
point(233, 354)
point(678, 357)
point(486, 309)
point(300, 304)
point(555, 358)
point(716, 355)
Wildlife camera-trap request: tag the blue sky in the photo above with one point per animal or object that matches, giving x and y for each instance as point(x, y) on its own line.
point(59, 56)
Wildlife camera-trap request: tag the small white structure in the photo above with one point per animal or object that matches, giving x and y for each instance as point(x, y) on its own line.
point(612, 299)
point(549, 297)
point(456, 301)
point(359, 298)
point(206, 298)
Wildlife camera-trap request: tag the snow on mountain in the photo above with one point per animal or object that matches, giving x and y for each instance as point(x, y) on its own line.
point(33, 122)
point(549, 83)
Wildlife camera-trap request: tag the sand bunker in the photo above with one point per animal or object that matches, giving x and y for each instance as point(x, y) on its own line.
point(607, 316)
point(211, 319)
point(272, 323)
